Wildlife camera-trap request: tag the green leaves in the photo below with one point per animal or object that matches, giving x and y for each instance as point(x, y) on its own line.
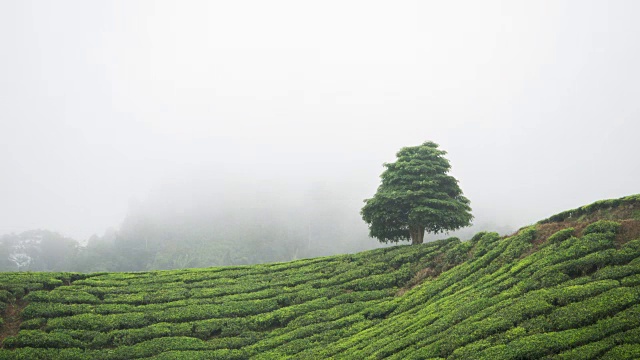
point(416, 193)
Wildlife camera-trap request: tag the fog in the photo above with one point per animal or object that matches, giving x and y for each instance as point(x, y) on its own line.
point(185, 111)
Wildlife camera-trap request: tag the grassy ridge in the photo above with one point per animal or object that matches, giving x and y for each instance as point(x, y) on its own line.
point(567, 288)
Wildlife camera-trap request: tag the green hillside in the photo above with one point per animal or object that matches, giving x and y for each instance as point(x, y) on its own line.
point(567, 287)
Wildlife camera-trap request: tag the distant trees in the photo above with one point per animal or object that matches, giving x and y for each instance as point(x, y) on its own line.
point(416, 195)
point(36, 250)
point(233, 227)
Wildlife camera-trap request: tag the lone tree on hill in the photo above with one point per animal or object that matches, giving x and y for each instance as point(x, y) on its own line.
point(415, 195)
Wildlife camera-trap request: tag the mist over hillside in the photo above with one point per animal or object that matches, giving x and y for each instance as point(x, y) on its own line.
point(239, 223)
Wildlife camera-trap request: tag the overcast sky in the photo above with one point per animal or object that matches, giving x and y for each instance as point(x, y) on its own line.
point(107, 102)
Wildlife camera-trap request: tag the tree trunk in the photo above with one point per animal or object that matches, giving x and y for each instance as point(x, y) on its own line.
point(417, 234)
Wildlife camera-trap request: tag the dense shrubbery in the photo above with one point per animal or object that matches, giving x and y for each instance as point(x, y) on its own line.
point(602, 226)
point(561, 235)
point(633, 200)
point(491, 297)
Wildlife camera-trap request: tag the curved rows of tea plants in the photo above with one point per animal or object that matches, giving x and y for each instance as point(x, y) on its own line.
point(570, 294)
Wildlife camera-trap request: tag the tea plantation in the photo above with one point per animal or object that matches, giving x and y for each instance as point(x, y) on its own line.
point(567, 287)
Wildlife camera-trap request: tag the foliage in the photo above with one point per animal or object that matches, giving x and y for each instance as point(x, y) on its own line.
point(561, 235)
point(602, 226)
point(632, 201)
point(416, 195)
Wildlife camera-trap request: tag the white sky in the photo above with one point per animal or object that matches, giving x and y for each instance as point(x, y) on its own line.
point(537, 102)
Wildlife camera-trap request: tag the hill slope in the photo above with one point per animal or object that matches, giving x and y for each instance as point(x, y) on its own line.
point(567, 288)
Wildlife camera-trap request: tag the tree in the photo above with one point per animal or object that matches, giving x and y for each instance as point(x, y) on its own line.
point(416, 195)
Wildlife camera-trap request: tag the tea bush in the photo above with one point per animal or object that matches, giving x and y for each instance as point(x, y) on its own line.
point(602, 226)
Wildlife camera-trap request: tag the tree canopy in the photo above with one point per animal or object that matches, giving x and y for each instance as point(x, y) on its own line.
point(416, 195)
